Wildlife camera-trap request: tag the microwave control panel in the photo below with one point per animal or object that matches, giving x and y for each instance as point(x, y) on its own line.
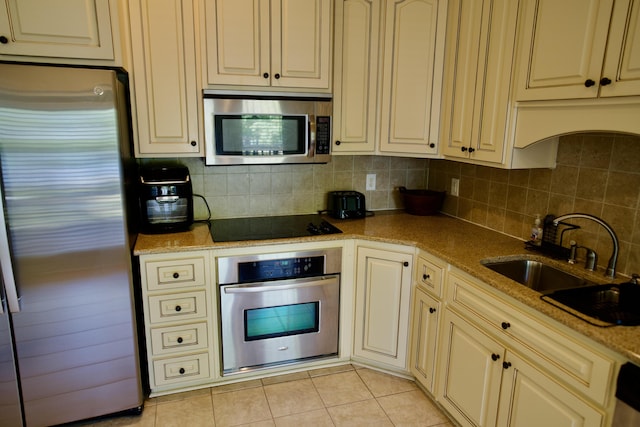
point(323, 134)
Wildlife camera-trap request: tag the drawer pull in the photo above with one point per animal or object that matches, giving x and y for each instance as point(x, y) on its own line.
point(182, 371)
point(495, 357)
point(176, 275)
point(179, 340)
point(178, 308)
point(505, 325)
point(506, 365)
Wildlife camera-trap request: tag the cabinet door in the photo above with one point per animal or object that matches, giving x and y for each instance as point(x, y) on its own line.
point(563, 43)
point(622, 61)
point(164, 63)
point(412, 76)
point(470, 372)
point(356, 64)
point(426, 311)
point(60, 29)
point(528, 398)
point(479, 71)
point(301, 43)
point(383, 287)
point(238, 45)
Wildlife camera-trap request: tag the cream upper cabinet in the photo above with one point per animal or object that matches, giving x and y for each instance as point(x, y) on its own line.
point(71, 29)
point(481, 37)
point(355, 104)
point(579, 49)
point(383, 288)
point(412, 66)
point(262, 43)
point(167, 95)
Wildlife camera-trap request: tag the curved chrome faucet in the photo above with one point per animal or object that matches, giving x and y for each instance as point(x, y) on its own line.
point(611, 267)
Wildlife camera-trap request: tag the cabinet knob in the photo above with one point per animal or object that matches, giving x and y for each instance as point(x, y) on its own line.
point(426, 277)
point(338, 142)
point(605, 81)
point(265, 75)
point(4, 40)
point(182, 371)
point(506, 365)
point(589, 83)
point(178, 308)
point(432, 310)
point(463, 149)
point(277, 76)
point(406, 263)
point(193, 143)
point(432, 145)
point(505, 325)
point(179, 340)
point(495, 357)
point(176, 275)
point(471, 149)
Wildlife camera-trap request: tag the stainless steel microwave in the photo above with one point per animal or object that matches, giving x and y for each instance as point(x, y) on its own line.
point(266, 130)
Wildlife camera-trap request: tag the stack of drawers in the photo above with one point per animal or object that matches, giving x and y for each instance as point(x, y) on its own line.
point(178, 307)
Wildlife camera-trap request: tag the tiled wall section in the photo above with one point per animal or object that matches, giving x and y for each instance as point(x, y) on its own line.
point(243, 191)
point(597, 174)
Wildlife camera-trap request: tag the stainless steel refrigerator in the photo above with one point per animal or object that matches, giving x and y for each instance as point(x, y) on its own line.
point(68, 347)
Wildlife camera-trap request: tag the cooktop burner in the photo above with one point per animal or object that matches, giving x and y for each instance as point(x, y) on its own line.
point(269, 227)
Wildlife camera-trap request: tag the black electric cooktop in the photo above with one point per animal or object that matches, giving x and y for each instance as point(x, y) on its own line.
point(269, 227)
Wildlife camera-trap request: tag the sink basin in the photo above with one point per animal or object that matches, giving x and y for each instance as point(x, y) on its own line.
point(536, 275)
point(615, 304)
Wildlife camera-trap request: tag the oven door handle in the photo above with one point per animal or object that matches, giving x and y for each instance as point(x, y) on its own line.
point(277, 286)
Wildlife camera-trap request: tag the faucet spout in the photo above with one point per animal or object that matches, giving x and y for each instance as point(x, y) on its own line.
point(611, 267)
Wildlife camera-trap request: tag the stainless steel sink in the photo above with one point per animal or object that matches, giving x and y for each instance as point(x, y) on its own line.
point(536, 274)
point(617, 304)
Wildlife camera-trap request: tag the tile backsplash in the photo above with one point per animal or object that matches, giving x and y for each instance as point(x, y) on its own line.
point(598, 174)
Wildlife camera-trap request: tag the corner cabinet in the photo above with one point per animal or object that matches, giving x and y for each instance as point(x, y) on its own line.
point(178, 317)
point(167, 96)
point(63, 31)
point(481, 36)
point(598, 55)
point(383, 290)
point(263, 43)
point(389, 58)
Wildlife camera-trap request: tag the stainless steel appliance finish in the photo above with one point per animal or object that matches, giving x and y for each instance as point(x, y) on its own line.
point(263, 130)
point(278, 308)
point(69, 348)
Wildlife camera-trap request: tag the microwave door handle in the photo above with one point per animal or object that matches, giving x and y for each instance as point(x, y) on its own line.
point(274, 286)
point(311, 132)
point(11, 290)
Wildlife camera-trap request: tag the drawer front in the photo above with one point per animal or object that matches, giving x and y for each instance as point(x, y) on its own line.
point(429, 276)
point(181, 273)
point(565, 357)
point(179, 338)
point(181, 369)
point(177, 307)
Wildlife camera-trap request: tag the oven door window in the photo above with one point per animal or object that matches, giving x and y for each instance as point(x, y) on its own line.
point(281, 321)
point(260, 134)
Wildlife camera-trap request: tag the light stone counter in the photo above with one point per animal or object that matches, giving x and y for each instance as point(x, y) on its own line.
point(457, 242)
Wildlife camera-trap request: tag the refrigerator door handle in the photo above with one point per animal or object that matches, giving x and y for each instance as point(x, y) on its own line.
point(10, 288)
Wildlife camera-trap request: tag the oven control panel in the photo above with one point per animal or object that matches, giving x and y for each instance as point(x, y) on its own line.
point(253, 271)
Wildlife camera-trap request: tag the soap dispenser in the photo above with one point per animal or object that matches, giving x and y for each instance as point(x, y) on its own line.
point(536, 231)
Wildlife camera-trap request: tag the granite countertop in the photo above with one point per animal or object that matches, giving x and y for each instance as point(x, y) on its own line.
point(457, 242)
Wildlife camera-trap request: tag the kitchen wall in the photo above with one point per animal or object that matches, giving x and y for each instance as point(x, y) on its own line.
point(242, 191)
point(597, 174)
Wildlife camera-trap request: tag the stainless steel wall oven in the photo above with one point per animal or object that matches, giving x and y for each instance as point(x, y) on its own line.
point(278, 308)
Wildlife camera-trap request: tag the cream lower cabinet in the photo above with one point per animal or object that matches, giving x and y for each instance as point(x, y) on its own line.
point(381, 321)
point(166, 93)
point(502, 365)
point(424, 338)
point(178, 316)
point(64, 30)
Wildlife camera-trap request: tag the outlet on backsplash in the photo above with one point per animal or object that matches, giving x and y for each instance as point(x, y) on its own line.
point(455, 187)
point(371, 181)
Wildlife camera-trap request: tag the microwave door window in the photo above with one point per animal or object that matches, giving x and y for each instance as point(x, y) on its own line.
point(267, 135)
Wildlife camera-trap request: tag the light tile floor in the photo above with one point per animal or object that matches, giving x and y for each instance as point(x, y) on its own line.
point(340, 396)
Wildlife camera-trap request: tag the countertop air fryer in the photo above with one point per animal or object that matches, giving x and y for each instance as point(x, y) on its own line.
point(166, 199)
